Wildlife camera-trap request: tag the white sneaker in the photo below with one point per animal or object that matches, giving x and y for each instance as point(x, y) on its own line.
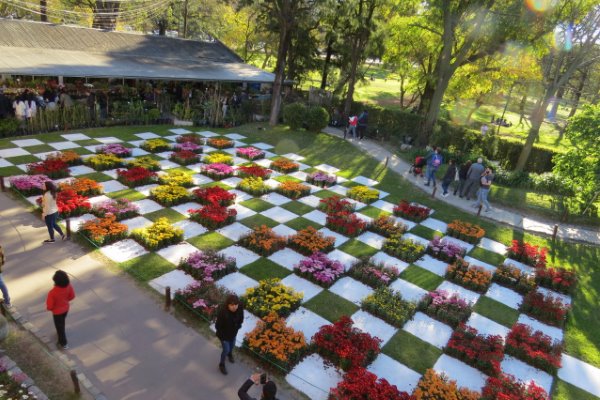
point(444, 194)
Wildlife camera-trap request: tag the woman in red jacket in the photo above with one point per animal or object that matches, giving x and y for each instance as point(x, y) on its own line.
point(58, 302)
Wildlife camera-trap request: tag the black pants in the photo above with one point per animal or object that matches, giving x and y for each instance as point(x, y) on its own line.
point(59, 324)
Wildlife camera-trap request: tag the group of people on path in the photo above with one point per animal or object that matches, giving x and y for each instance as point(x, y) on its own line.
point(357, 125)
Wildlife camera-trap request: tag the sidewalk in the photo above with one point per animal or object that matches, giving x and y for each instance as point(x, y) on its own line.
point(119, 336)
point(565, 231)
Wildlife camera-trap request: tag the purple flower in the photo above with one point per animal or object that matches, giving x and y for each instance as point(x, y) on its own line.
point(26, 183)
point(114, 148)
point(218, 169)
point(250, 152)
point(206, 264)
point(188, 146)
point(321, 268)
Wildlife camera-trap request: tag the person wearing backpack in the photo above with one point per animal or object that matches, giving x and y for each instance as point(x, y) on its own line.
point(434, 160)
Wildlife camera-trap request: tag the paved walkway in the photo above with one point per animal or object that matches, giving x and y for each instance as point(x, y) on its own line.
point(120, 337)
point(512, 218)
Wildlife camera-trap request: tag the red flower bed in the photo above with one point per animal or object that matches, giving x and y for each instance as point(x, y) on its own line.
point(70, 204)
point(184, 157)
point(506, 387)
point(528, 254)
point(214, 195)
point(411, 212)
point(53, 168)
point(558, 279)
point(136, 176)
point(191, 138)
point(213, 216)
point(346, 223)
point(254, 170)
point(362, 384)
point(534, 348)
point(484, 352)
point(335, 204)
point(346, 346)
point(548, 309)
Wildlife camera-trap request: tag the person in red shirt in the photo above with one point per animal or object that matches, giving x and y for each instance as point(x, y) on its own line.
point(58, 302)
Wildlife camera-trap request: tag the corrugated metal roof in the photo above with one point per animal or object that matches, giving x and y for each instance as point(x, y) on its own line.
point(33, 48)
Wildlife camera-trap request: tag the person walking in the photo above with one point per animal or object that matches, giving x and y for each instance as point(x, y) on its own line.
point(434, 160)
point(462, 177)
point(269, 389)
point(363, 121)
point(473, 176)
point(485, 183)
point(50, 211)
point(449, 177)
point(229, 322)
point(352, 123)
point(3, 287)
point(58, 303)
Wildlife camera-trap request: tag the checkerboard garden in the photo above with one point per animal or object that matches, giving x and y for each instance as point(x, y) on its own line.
point(350, 287)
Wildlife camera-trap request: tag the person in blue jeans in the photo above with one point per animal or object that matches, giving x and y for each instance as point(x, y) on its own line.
point(3, 287)
point(50, 211)
point(434, 160)
point(484, 189)
point(229, 322)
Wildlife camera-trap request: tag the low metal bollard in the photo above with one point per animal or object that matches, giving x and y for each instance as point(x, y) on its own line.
point(555, 232)
point(167, 298)
point(75, 380)
point(434, 190)
point(68, 222)
point(2, 184)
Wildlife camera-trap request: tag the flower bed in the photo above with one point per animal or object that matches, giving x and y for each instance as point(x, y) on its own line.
point(483, 352)
point(527, 253)
point(220, 143)
point(82, 186)
point(250, 153)
point(262, 240)
point(389, 305)
point(213, 216)
point(293, 190)
point(386, 226)
point(190, 138)
point(218, 158)
point(319, 269)
point(466, 231)
point(145, 162)
point(253, 186)
point(374, 275)
point(472, 277)
point(275, 342)
point(445, 250)
point(546, 308)
point(136, 176)
point(103, 231)
point(167, 195)
point(308, 241)
point(253, 170)
point(53, 169)
point(506, 387)
point(103, 162)
point(362, 384)
point(70, 204)
point(346, 346)
point(405, 249)
point(29, 185)
point(67, 156)
point(321, 179)
point(534, 348)
point(189, 146)
point(335, 204)
point(345, 223)
point(214, 195)
point(412, 212)
point(156, 145)
point(434, 386)
point(445, 307)
point(203, 298)
point(513, 278)
point(284, 165)
point(116, 149)
point(363, 194)
point(158, 235)
point(272, 296)
point(207, 266)
point(558, 279)
point(184, 157)
point(175, 177)
point(217, 171)
point(121, 208)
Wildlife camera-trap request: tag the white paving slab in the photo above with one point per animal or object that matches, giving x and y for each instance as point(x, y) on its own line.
point(275, 198)
point(486, 326)
point(147, 135)
point(397, 374)
point(190, 228)
point(301, 285)
point(124, 250)
point(409, 291)
point(384, 205)
point(316, 216)
point(408, 224)
point(15, 152)
point(22, 167)
point(234, 231)
point(263, 162)
point(351, 290)
point(566, 299)
point(284, 230)
point(109, 140)
point(435, 224)
point(389, 261)
point(262, 146)
point(240, 196)
point(552, 331)
point(80, 170)
point(287, 258)
point(357, 204)
point(465, 294)
point(372, 239)
point(145, 190)
point(111, 172)
point(365, 181)
point(77, 222)
point(243, 212)
point(137, 152)
point(306, 321)
point(184, 209)
point(176, 280)
point(76, 136)
point(339, 238)
point(179, 131)
point(475, 262)
point(165, 154)
point(299, 175)
point(28, 142)
point(432, 265)
point(526, 373)
point(166, 164)
point(136, 143)
point(242, 255)
point(64, 145)
point(176, 252)
point(523, 267)
point(136, 223)
point(467, 246)
point(231, 181)
point(113, 186)
point(272, 183)
point(237, 283)
point(416, 238)
point(365, 218)
point(200, 179)
point(279, 214)
point(314, 378)
point(346, 259)
point(327, 168)
point(4, 163)
point(341, 190)
point(429, 330)
point(312, 201)
point(293, 156)
point(208, 134)
point(464, 375)
point(98, 199)
point(492, 245)
point(147, 206)
point(235, 136)
point(580, 374)
point(504, 295)
point(374, 326)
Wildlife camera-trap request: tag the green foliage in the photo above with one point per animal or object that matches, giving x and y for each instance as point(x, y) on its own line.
point(294, 114)
point(316, 118)
point(9, 126)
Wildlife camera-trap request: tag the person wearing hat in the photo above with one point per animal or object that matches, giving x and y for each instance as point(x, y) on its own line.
point(269, 389)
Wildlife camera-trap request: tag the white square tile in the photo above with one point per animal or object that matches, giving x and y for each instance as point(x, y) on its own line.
point(429, 330)
point(28, 142)
point(22, 167)
point(166, 164)
point(416, 238)
point(293, 156)
point(346, 259)
point(190, 228)
point(275, 199)
point(404, 378)
point(235, 136)
point(547, 292)
point(80, 170)
point(384, 205)
point(351, 290)
point(486, 326)
point(372, 239)
point(311, 201)
point(237, 283)
point(179, 131)
point(465, 294)
point(382, 258)
point(279, 214)
point(299, 175)
point(365, 181)
point(327, 168)
point(145, 190)
point(176, 252)
point(234, 231)
point(176, 280)
point(303, 166)
point(165, 154)
point(272, 183)
point(374, 326)
point(231, 181)
point(243, 212)
point(409, 291)
point(552, 331)
point(306, 321)
point(15, 152)
point(357, 204)
point(491, 245)
point(147, 135)
point(4, 163)
point(464, 375)
point(341, 190)
point(242, 255)
point(316, 216)
point(98, 199)
point(435, 224)
point(504, 295)
point(124, 250)
point(77, 222)
point(64, 145)
point(147, 206)
point(432, 265)
point(113, 186)
point(262, 146)
point(287, 258)
point(467, 246)
point(523, 267)
point(76, 136)
point(137, 152)
point(339, 238)
point(580, 374)
point(526, 373)
point(408, 224)
point(200, 179)
point(207, 134)
point(474, 262)
point(240, 196)
point(284, 230)
point(302, 285)
point(136, 223)
point(136, 143)
point(313, 377)
point(111, 172)
point(109, 140)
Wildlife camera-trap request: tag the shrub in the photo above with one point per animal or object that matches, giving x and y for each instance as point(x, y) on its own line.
point(308, 241)
point(184, 157)
point(68, 156)
point(254, 186)
point(317, 118)
point(167, 195)
point(156, 145)
point(220, 143)
point(103, 162)
point(534, 348)
point(405, 249)
point(218, 158)
point(189, 146)
point(284, 165)
point(483, 352)
point(82, 186)
point(9, 126)
point(145, 162)
point(272, 296)
point(207, 266)
point(386, 226)
point(466, 231)
point(434, 386)
point(513, 278)
point(103, 231)
point(158, 235)
point(558, 279)
point(412, 212)
point(175, 177)
point(527, 254)
point(262, 240)
point(445, 250)
point(214, 195)
point(445, 307)
point(53, 169)
point(213, 216)
point(345, 223)
point(136, 176)
point(546, 308)
point(121, 208)
point(190, 138)
point(204, 298)
point(470, 276)
point(217, 171)
point(321, 179)
point(293, 190)
point(374, 275)
point(507, 387)
point(363, 193)
point(116, 149)
point(294, 115)
point(389, 305)
point(253, 170)
point(70, 204)
point(28, 185)
point(250, 153)
point(318, 268)
point(362, 384)
point(335, 204)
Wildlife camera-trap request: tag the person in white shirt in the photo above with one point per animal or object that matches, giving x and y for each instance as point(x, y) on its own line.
point(50, 211)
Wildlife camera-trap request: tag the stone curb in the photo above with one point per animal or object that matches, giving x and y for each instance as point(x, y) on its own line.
point(28, 384)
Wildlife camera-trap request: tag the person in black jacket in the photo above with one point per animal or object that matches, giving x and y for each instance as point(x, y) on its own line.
point(462, 177)
point(448, 177)
point(229, 322)
point(268, 393)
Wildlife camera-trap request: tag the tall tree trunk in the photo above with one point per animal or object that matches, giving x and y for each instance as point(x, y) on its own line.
point(402, 90)
point(43, 11)
point(351, 78)
point(537, 118)
point(266, 60)
point(328, 54)
point(556, 103)
point(103, 21)
point(578, 92)
point(478, 103)
point(284, 43)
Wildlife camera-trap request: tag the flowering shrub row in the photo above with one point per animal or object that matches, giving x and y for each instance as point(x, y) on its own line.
point(346, 223)
point(158, 235)
point(405, 249)
point(217, 171)
point(506, 387)
point(29, 185)
point(445, 250)
point(434, 386)
point(308, 241)
point(253, 186)
point(82, 186)
point(483, 352)
point(558, 279)
point(335, 204)
point(116, 149)
point(214, 195)
point(293, 190)
point(262, 240)
point(470, 276)
point(145, 162)
point(386, 226)
point(284, 165)
point(512, 277)
point(253, 170)
point(445, 307)
point(189, 146)
point(250, 153)
point(466, 231)
point(156, 145)
point(318, 268)
point(175, 177)
point(70, 204)
point(190, 138)
point(204, 298)
point(374, 275)
point(220, 143)
point(321, 179)
point(213, 216)
point(103, 162)
point(546, 308)
point(167, 195)
point(272, 296)
point(389, 305)
point(53, 169)
point(363, 194)
point(104, 231)
point(67, 156)
point(362, 384)
point(207, 266)
point(412, 212)
point(534, 348)
point(136, 176)
point(120, 208)
point(527, 253)
point(184, 157)
point(218, 158)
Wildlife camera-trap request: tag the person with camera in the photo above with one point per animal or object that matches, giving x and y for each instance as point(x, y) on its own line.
point(484, 189)
point(269, 389)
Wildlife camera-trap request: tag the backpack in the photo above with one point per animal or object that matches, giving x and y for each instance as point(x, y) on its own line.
point(436, 160)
